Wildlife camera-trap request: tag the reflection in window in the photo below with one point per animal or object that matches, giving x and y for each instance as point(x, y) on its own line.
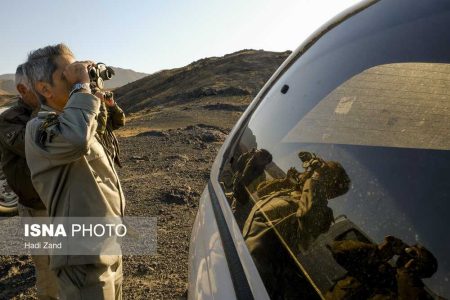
point(352, 201)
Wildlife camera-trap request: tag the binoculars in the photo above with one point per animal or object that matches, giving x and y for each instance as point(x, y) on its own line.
point(98, 73)
point(310, 160)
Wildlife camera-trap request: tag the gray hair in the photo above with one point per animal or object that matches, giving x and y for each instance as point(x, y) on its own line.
point(41, 65)
point(20, 77)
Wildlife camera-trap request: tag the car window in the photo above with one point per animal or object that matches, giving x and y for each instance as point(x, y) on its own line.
point(339, 180)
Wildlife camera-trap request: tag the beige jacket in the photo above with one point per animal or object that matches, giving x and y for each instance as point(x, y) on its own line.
point(70, 169)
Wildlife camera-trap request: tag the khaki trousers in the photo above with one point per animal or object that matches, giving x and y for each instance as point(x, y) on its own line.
point(46, 282)
point(90, 282)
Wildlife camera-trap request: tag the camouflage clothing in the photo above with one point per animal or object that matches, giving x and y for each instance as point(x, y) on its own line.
point(292, 219)
point(13, 123)
point(12, 132)
point(109, 119)
point(371, 276)
point(249, 172)
point(298, 215)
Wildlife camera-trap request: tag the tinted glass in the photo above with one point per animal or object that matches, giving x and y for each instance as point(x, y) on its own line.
point(340, 180)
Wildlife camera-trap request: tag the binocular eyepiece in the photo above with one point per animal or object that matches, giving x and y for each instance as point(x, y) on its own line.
point(98, 73)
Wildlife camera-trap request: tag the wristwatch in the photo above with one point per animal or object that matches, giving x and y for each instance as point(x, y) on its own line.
point(80, 86)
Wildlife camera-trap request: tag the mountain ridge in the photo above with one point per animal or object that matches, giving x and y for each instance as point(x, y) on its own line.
point(241, 73)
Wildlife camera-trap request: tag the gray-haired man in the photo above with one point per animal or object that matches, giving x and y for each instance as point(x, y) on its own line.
point(69, 167)
point(12, 131)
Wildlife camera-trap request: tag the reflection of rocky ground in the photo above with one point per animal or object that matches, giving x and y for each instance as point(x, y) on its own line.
point(167, 155)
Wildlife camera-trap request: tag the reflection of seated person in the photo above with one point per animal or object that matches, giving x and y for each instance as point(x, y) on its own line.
point(289, 182)
point(304, 199)
point(371, 276)
point(248, 173)
point(249, 167)
point(299, 213)
point(293, 179)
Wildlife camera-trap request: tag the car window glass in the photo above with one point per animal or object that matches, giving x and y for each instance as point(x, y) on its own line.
point(361, 177)
point(339, 179)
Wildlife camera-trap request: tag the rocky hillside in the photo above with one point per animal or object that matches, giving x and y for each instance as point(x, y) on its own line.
point(7, 89)
point(241, 73)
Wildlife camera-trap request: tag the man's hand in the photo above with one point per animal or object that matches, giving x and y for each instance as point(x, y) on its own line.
point(109, 101)
point(77, 72)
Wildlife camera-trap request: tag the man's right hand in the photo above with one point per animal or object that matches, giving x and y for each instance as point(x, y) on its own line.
point(109, 101)
point(77, 72)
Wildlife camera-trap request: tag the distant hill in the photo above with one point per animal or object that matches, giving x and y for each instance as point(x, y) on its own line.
point(7, 77)
point(122, 77)
point(7, 90)
point(7, 86)
point(237, 74)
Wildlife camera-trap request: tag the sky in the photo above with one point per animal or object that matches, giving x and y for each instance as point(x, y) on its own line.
point(151, 35)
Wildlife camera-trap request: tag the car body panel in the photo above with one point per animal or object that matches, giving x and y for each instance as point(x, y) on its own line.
point(209, 276)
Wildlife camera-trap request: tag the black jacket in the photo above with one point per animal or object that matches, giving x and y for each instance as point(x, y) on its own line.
point(12, 131)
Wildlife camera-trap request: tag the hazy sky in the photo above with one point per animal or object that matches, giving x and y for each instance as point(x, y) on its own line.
point(150, 35)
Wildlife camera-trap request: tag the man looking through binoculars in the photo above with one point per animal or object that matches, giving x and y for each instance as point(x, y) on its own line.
point(70, 167)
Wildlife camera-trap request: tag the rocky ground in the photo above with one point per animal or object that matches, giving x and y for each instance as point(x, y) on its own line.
point(167, 154)
point(164, 176)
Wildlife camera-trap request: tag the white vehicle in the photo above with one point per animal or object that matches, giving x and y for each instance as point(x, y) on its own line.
point(335, 182)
